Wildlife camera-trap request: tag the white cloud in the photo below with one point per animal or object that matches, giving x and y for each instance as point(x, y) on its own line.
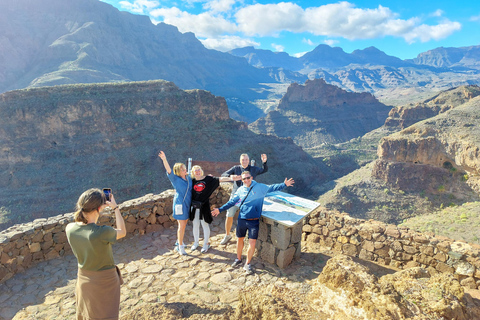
point(219, 5)
point(224, 22)
point(308, 41)
point(475, 18)
point(298, 55)
point(270, 19)
point(278, 47)
point(331, 42)
point(437, 13)
point(228, 43)
point(203, 25)
point(340, 19)
point(426, 33)
point(139, 6)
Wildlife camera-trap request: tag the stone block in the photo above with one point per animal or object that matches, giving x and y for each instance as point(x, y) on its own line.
point(285, 257)
point(350, 249)
point(469, 283)
point(464, 268)
point(297, 232)
point(307, 228)
point(130, 227)
point(52, 254)
point(267, 252)
point(46, 245)
point(35, 247)
point(313, 238)
point(410, 249)
point(163, 219)
point(151, 219)
point(141, 224)
point(441, 257)
point(298, 250)
point(368, 245)
point(444, 268)
point(428, 250)
point(281, 236)
point(365, 255)
point(337, 247)
point(317, 230)
point(263, 231)
point(411, 264)
point(392, 232)
point(383, 252)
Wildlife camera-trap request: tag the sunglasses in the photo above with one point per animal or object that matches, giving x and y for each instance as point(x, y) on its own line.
point(246, 178)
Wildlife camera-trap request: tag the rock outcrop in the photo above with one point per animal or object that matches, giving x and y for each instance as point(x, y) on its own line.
point(348, 290)
point(428, 165)
point(404, 116)
point(59, 141)
point(318, 112)
point(449, 141)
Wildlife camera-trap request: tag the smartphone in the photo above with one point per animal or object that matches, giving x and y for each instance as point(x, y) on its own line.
point(107, 192)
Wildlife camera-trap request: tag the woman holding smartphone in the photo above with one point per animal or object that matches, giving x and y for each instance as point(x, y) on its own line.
point(183, 197)
point(98, 281)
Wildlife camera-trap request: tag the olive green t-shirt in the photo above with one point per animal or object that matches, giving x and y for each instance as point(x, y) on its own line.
point(92, 245)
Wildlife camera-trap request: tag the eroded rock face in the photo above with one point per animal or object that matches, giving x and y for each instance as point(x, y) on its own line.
point(348, 290)
point(318, 112)
point(449, 141)
point(404, 116)
point(60, 141)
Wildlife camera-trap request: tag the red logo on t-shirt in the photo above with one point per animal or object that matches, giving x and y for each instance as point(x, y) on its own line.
point(199, 186)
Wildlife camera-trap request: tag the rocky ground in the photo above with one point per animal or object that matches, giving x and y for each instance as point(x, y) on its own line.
point(160, 284)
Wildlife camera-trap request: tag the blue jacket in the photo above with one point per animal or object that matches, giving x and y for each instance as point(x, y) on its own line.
point(253, 204)
point(183, 194)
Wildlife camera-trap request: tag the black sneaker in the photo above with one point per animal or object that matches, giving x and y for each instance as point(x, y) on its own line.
point(236, 263)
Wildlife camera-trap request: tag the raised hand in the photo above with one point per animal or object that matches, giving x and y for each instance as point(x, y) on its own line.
point(264, 157)
point(289, 182)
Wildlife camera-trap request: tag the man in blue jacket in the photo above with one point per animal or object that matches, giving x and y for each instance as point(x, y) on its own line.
point(235, 173)
point(251, 195)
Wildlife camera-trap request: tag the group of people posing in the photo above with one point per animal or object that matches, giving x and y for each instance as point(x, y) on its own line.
point(99, 280)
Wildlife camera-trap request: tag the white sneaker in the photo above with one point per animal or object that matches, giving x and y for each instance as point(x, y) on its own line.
point(226, 239)
point(181, 250)
point(205, 248)
point(248, 268)
point(194, 246)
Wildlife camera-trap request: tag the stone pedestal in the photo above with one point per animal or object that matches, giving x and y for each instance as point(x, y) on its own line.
point(280, 236)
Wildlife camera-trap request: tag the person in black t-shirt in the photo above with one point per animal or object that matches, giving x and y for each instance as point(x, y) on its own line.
point(203, 187)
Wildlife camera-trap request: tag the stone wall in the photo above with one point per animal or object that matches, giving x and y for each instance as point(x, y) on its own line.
point(394, 246)
point(22, 246)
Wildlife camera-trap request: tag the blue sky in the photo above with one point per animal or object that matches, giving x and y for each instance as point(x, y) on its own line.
point(399, 28)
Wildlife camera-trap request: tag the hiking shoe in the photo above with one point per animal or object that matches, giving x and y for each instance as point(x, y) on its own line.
point(226, 239)
point(248, 268)
point(205, 248)
point(236, 263)
point(181, 250)
point(194, 246)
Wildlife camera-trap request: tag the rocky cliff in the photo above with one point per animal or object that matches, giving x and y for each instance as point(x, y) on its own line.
point(318, 112)
point(59, 141)
point(403, 116)
point(430, 164)
point(449, 141)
